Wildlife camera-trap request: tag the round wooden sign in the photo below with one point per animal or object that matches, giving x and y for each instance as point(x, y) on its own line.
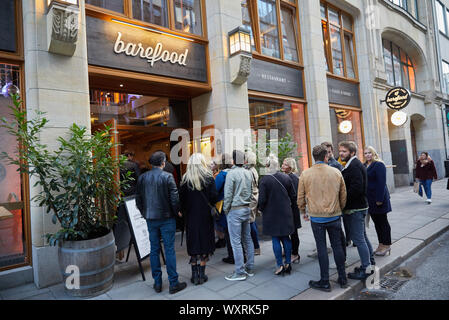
point(398, 98)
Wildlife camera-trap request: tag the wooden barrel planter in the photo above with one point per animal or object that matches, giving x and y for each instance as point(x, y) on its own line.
point(95, 260)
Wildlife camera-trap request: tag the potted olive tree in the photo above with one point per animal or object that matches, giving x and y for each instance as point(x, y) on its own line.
point(79, 187)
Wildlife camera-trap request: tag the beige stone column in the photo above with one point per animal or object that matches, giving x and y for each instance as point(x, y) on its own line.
point(57, 85)
point(315, 73)
point(226, 107)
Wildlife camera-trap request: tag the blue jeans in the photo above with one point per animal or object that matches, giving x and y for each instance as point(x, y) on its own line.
point(277, 249)
point(164, 229)
point(359, 237)
point(240, 233)
point(255, 235)
point(335, 231)
point(427, 185)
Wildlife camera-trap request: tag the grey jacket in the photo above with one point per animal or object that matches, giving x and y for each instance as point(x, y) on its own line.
point(335, 164)
point(238, 188)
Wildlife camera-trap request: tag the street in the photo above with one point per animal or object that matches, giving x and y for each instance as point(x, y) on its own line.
point(424, 276)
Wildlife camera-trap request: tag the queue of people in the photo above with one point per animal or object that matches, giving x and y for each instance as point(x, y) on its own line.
point(335, 196)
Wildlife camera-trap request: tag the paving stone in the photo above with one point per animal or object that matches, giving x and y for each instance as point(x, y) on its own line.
point(43, 296)
point(426, 232)
point(22, 292)
point(245, 296)
point(201, 293)
point(273, 291)
point(134, 291)
point(236, 288)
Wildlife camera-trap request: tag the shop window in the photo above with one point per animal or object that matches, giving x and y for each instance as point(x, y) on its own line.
point(188, 16)
point(113, 5)
point(398, 66)
point(12, 230)
point(346, 125)
point(338, 40)
point(277, 24)
point(152, 11)
point(286, 117)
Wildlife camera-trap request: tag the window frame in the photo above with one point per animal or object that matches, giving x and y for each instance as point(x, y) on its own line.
point(255, 24)
point(127, 16)
point(343, 32)
point(401, 65)
point(446, 81)
point(445, 14)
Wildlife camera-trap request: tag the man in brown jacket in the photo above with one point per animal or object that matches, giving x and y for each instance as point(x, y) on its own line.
point(322, 189)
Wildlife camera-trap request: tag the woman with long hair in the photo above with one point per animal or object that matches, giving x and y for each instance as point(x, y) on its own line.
point(425, 173)
point(378, 199)
point(290, 168)
point(197, 194)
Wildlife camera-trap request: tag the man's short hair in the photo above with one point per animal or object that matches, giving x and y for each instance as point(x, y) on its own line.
point(226, 161)
point(157, 159)
point(319, 152)
point(350, 145)
point(238, 157)
point(328, 145)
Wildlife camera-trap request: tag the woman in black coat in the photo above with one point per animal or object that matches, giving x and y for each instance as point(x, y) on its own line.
point(378, 199)
point(197, 194)
point(276, 195)
point(289, 167)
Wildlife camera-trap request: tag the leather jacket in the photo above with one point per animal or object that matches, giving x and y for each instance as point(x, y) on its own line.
point(157, 196)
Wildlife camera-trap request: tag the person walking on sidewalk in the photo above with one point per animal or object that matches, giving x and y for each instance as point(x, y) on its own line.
point(276, 194)
point(237, 199)
point(378, 199)
point(158, 201)
point(290, 168)
point(322, 189)
point(250, 164)
point(197, 194)
point(356, 208)
point(425, 173)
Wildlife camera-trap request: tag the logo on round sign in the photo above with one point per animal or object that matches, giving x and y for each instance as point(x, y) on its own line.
point(398, 98)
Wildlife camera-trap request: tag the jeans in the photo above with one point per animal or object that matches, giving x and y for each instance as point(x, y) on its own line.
point(277, 249)
point(383, 228)
point(334, 231)
point(240, 233)
point(358, 236)
point(165, 229)
point(255, 235)
point(346, 227)
point(427, 185)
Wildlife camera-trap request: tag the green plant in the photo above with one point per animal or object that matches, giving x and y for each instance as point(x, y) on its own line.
point(78, 182)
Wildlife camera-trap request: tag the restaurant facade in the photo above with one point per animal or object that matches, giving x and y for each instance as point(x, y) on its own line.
point(317, 70)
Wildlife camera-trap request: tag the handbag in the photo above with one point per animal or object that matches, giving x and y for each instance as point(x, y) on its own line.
point(416, 187)
point(213, 210)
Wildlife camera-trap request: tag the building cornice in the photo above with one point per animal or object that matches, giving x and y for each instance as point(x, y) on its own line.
point(405, 14)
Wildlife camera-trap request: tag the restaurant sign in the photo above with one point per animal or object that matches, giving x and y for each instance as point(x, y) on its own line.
point(398, 98)
point(120, 45)
point(343, 92)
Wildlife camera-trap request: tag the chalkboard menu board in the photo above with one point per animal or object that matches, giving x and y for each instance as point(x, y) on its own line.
point(8, 26)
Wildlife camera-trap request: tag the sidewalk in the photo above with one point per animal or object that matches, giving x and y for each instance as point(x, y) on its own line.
point(413, 224)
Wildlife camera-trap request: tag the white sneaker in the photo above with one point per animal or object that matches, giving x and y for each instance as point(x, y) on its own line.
point(429, 201)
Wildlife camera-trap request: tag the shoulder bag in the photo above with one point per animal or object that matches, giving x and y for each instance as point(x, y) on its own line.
point(213, 210)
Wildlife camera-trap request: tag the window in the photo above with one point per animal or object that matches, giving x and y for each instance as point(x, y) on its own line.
point(338, 40)
point(446, 76)
point(398, 66)
point(113, 5)
point(188, 16)
point(441, 17)
point(286, 117)
point(353, 121)
point(400, 3)
point(13, 250)
point(180, 15)
point(152, 11)
point(276, 22)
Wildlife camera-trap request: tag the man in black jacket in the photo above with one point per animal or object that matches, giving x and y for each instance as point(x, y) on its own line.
point(158, 201)
point(356, 209)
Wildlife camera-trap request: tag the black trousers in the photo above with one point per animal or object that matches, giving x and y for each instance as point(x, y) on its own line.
point(295, 242)
point(383, 228)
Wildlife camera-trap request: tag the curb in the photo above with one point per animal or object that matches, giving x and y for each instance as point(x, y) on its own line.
point(413, 243)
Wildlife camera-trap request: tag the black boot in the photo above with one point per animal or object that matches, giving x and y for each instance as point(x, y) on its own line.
point(203, 277)
point(359, 274)
point(221, 243)
point(320, 285)
point(343, 282)
point(195, 274)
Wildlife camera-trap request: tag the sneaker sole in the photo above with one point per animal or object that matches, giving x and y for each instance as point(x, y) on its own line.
point(233, 279)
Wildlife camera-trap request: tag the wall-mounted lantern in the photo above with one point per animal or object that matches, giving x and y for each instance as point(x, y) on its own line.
point(240, 54)
point(63, 24)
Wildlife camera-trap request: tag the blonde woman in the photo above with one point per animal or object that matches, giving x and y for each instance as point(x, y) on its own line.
point(289, 167)
point(197, 194)
point(378, 199)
